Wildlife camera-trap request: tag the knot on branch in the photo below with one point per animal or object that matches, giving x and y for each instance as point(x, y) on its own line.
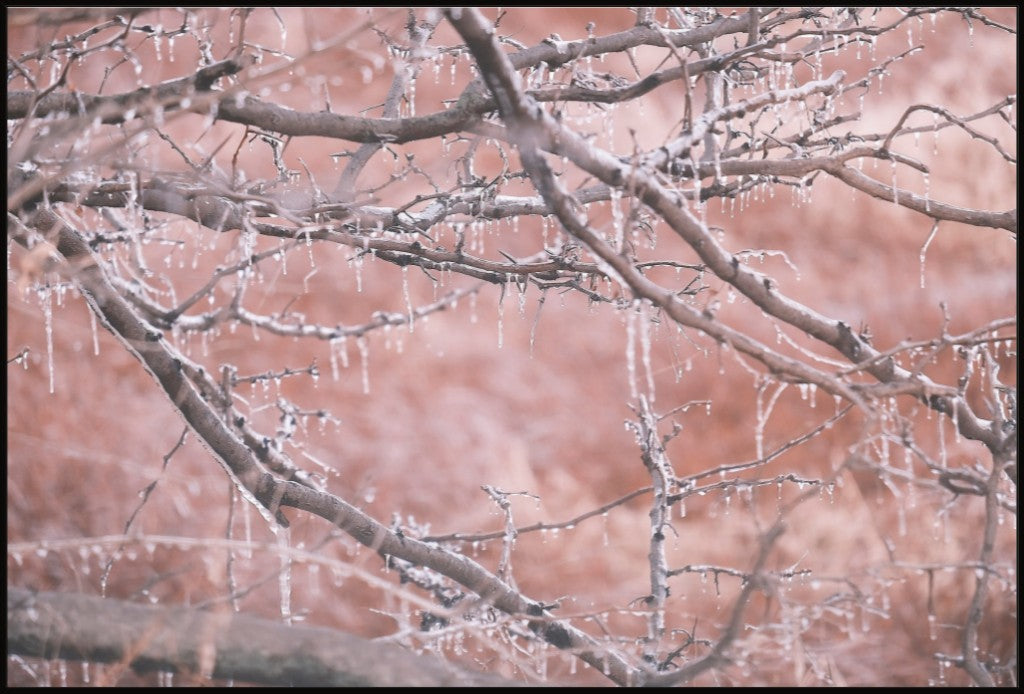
point(848, 343)
point(554, 633)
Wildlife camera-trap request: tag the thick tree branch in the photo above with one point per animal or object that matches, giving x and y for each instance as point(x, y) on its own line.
point(219, 644)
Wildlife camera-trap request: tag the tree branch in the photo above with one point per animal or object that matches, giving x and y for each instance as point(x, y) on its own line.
point(224, 645)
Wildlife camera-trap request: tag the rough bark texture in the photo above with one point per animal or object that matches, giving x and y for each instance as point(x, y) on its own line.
point(216, 643)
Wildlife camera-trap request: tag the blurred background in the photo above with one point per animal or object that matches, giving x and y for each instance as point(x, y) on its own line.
point(491, 393)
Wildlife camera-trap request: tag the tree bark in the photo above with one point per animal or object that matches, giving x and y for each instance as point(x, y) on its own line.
point(222, 645)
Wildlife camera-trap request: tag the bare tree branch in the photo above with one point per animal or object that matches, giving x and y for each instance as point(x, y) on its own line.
point(216, 644)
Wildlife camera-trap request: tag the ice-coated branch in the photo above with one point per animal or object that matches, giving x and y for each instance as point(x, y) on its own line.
point(552, 136)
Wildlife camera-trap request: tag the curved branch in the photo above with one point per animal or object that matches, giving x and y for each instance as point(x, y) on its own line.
point(926, 206)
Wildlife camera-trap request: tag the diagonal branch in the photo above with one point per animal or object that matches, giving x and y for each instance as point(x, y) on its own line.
point(161, 360)
point(270, 494)
point(538, 131)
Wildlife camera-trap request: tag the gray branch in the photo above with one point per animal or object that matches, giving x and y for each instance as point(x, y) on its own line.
point(219, 644)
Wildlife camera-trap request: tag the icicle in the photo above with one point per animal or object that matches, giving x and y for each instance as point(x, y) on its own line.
point(501, 313)
point(333, 355)
point(46, 297)
point(358, 264)
point(344, 351)
point(157, 36)
point(618, 226)
point(95, 334)
point(284, 577)
point(408, 299)
point(645, 354)
point(364, 354)
point(924, 249)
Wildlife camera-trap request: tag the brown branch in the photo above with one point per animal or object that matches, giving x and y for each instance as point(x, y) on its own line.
point(239, 461)
point(551, 136)
point(520, 116)
point(274, 118)
point(490, 589)
point(116, 108)
point(213, 209)
point(976, 612)
point(532, 130)
point(222, 645)
point(404, 76)
point(926, 206)
point(718, 656)
point(159, 358)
